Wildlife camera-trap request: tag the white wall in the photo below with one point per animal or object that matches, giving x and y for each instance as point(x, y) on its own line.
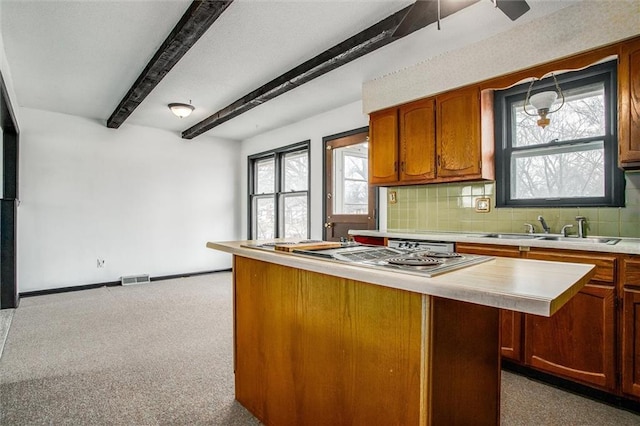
point(339, 120)
point(142, 199)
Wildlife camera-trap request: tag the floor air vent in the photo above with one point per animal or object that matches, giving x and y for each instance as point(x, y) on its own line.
point(135, 279)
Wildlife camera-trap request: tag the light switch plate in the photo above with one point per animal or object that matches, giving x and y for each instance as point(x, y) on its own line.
point(392, 197)
point(483, 205)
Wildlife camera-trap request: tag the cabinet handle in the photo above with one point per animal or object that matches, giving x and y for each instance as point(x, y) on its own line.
point(438, 161)
point(402, 166)
point(395, 166)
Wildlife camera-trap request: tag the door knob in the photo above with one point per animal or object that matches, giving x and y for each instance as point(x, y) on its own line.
point(328, 224)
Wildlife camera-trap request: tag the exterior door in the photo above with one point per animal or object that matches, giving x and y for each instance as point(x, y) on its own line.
point(349, 200)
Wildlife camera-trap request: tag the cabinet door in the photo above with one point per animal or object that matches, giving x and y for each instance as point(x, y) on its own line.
point(383, 147)
point(578, 341)
point(629, 106)
point(631, 342)
point(458, 133)
point(630, 276)
point(417, 141)
point(511, 323)
point(511, 334)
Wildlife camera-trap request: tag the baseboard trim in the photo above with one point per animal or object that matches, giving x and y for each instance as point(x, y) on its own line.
point(115, 283)
point(187, 275)
point(573, 387)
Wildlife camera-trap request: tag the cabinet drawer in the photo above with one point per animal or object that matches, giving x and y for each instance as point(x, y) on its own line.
point(605, 265)
point(631, 271)
point(488, 250)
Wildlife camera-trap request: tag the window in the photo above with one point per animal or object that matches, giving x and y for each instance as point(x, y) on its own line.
point(573, 161)
point(279, 193)
point(351, 183)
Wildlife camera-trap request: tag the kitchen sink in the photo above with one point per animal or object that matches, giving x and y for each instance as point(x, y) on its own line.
point(609, 241)
point(512, 236)
point(559, 238)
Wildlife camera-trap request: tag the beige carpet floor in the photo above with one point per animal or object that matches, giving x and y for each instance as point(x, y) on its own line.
point(161, 354)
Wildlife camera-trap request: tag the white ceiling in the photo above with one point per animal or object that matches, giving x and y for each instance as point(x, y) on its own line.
point(81, 57)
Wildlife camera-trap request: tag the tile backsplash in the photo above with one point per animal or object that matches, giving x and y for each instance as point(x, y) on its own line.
point(451, 207)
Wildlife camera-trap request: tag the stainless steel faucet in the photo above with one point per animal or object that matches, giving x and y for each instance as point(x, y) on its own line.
point(529, 228)
point(544, 225)
point(564, 231)
point(582, 226)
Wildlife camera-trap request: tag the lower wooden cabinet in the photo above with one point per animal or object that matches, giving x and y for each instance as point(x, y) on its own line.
point(511, 334)
point(631, 342)
point(578, 342)
point(511, 322)
point(630, 279)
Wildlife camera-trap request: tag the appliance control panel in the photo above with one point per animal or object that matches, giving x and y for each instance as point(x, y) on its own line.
point(419, 245)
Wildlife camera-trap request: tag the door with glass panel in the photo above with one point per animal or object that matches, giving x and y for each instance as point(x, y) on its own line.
point(279, 193)
point(349, 199)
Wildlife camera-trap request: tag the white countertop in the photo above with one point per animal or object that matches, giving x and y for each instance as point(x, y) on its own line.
point(624, 246)
point(530, 286)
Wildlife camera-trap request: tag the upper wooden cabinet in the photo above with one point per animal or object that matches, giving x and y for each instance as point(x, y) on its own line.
point(463, 125)
point(459, 147)
point(383, 147)
point(417, 141)
point(402, 144)
point(428, 141)
point(629, 106)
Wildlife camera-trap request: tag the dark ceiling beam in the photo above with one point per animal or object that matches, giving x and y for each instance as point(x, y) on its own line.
point(194, 23)
point(372, 38)
point(366, 41)
point(425, 12)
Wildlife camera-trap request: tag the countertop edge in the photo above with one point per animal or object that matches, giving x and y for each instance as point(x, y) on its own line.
point(625, 246)
point(484, 284)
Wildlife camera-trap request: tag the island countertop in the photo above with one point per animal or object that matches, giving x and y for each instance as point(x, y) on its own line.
point(523, 285)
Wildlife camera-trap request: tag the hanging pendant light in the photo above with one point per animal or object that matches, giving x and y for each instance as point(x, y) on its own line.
point(181, 110)
point(542, 102)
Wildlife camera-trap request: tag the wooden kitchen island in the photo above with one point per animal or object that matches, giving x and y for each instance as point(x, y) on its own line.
point(319, 342)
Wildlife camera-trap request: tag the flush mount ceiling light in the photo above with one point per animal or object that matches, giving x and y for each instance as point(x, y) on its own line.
point(181, 110)
point(542, 102)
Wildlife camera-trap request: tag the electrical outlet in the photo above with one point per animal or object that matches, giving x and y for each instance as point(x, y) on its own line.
point(100, 263)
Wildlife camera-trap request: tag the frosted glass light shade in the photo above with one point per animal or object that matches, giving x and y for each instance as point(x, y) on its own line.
point(543, 100)
point(181, 110)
